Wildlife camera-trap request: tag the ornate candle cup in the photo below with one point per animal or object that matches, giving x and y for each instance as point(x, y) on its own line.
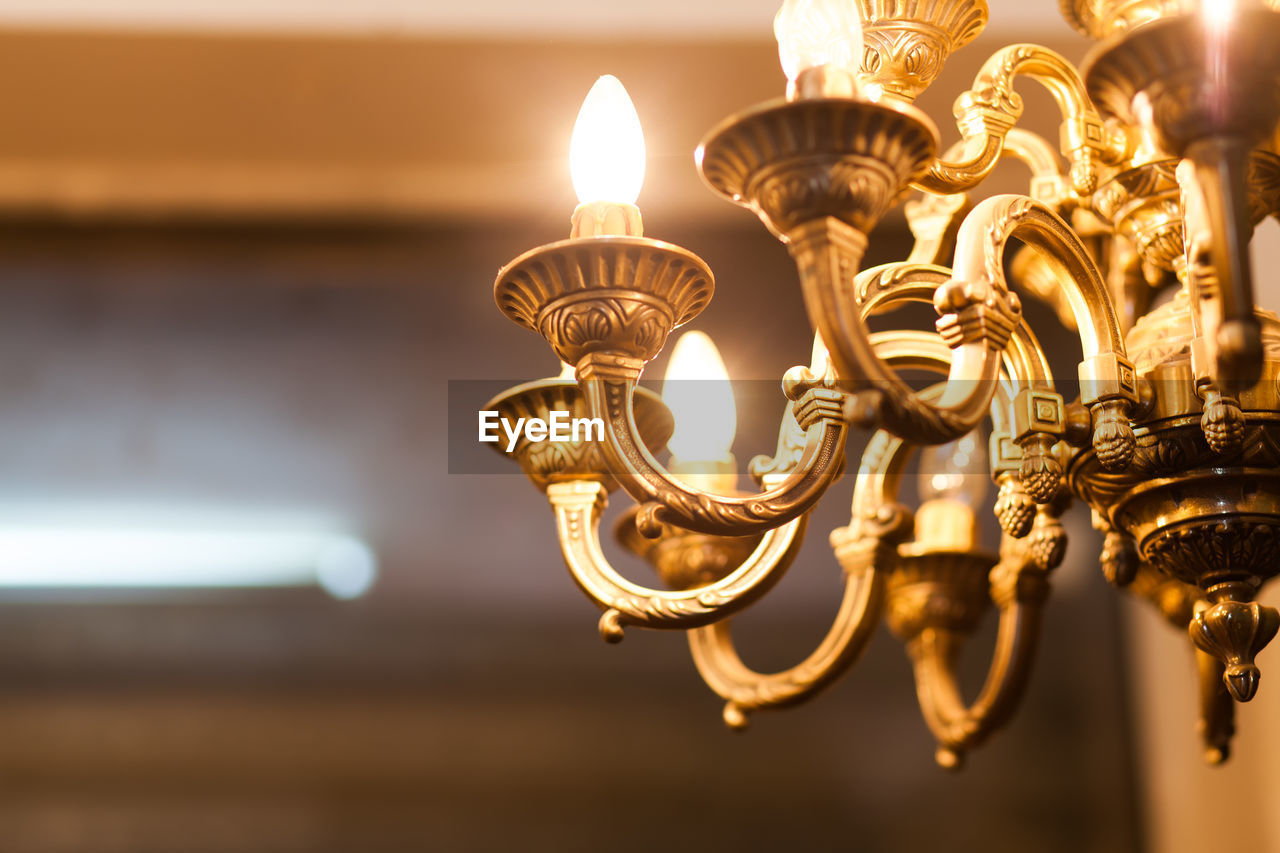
point(907, 44)
point(547, 462)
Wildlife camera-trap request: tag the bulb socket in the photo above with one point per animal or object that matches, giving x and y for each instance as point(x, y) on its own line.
point(606, 219)
point(824, 81)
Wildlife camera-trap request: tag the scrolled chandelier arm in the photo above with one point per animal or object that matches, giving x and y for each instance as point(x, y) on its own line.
point(578, 505)
point(990, 109)
point(1109, 385)
point(609, 383)
point(1019, 589)
point(878, 524)
point(745, 690)
point(826, 254)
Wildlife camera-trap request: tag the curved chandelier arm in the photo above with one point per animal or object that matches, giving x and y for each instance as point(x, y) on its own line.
point(877, 527)
point(827, 253)
point(1035, 152)
point(1035, 420)
point(744, 689)
point(609, 381)
point(989, 110)
point(1108, 382)
point(935, 219)
point(1020, 588)
point(578, 505)
point(868, 544)
point(882, 288)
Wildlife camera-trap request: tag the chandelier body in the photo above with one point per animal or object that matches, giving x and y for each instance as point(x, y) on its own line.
point(1167, 159)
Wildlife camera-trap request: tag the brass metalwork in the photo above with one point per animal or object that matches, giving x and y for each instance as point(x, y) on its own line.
point(989, 110)
point(798, 162)
point(1101, 19)
point(604, 294)
point(1168, 156)
point(555, 461)
point(905, 45)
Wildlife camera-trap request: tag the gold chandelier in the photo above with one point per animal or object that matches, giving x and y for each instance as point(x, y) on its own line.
point(1169, 138)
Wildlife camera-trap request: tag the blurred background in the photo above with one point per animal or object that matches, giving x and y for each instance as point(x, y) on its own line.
point(246, 247)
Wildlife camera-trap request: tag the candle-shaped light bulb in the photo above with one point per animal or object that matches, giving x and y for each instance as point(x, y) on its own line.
point(956, 471)
point(817, 33)
point(606, 152)
point(697, 391)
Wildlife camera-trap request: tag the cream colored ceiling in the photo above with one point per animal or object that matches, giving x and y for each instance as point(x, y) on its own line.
point(488, 19)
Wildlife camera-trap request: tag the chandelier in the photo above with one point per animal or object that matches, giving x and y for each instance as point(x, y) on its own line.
point(1170, 433)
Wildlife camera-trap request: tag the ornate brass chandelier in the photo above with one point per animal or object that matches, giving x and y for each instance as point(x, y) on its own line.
point(1169, 139)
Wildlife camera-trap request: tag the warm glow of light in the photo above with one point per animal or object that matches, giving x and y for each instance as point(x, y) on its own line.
point(1218, 13)
point(955, 471)
point(606, 152)
point(820, 357)
point(49, 557)
point(813, 33)
point(697, 391)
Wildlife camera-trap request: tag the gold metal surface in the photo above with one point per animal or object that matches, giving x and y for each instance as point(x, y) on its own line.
point(548, 462)
point(905, 45)
point(1168, 160)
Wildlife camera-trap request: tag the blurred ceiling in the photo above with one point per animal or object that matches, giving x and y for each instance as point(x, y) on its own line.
point(385, 110)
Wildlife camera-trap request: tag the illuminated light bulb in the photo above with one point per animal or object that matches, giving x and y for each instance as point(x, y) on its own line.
point(953, 480)
point(817, 33)
point(956, 471)
point(1218, 13)
point(697, 391)
point(606, 152)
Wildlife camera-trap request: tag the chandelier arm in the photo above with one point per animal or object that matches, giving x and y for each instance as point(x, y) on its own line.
point(881, 288)
point(877, 525)
point(934, 652)
point(745, 690)
point(608, 382)
point(980, 255)
point(934, 219)
point(578, 506)
point(827, 253)
point(989, 110)
point(1108, 383)
point(980, 153)
point(1035, 152)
